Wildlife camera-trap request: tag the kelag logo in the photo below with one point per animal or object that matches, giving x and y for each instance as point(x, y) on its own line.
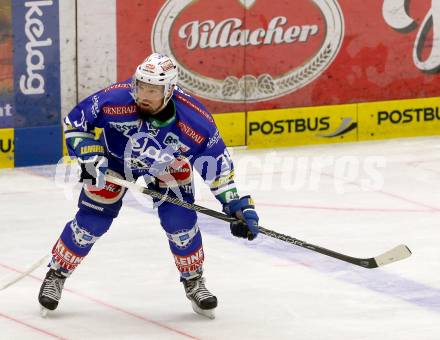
point(33, 82)
point(36, 62)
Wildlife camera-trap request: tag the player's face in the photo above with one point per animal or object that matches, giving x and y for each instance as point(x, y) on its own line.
point(150, 97)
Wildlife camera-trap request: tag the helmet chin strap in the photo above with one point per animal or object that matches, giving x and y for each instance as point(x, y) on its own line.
point(166, 99)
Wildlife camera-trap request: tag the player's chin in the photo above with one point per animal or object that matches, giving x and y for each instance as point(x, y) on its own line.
point(146, 108)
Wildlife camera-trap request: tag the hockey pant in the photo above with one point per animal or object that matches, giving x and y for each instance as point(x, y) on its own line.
point(97, 210)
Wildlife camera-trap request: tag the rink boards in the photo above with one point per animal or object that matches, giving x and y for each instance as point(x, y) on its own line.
point(271, 128)
point(332, 124)
point(343, 123)
point(293, 93)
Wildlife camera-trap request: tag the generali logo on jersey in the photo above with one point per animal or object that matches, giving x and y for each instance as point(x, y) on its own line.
point(119, 110)
point(270, 48)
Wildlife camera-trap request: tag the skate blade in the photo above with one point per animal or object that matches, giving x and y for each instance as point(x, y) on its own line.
point(208, 313)
point(43, 312)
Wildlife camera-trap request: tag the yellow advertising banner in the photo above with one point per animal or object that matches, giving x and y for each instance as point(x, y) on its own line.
point(6, 148)
point(399, 118)
point(300, 126)
point(232, 127)
point(326, 124)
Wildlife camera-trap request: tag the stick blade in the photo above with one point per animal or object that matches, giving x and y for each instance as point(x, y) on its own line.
point(398, 253)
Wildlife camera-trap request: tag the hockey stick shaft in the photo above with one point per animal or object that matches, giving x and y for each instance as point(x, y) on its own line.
point(396, 254)
point(26, 273)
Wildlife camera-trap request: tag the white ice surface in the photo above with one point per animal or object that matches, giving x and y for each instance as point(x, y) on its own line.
point(128, 288)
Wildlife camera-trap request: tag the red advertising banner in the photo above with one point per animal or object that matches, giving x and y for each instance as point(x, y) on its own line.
point(239, 55)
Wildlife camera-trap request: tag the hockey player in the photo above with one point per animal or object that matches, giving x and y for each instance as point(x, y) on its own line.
point(150, 128)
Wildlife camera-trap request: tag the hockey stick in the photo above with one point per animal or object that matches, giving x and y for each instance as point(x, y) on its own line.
point(396, 254)
point(26, 273)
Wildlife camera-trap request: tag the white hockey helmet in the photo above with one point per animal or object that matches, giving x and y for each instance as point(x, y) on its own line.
point(157, 69)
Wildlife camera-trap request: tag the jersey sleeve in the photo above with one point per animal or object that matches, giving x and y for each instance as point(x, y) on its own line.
point(215, 165)
point(81, 122)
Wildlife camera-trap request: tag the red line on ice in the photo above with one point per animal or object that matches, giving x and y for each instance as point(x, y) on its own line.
point(28, 192)
point(399, 197)
point(30, 326)
point(105, 304)
point(402, 198)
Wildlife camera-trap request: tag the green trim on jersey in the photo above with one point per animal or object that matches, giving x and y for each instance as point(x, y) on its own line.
point(158, 123)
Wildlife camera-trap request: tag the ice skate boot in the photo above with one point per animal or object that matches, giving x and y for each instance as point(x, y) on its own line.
point(202, 301)
point(50, 291)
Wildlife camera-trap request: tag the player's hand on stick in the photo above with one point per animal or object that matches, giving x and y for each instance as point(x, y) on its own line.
point(91, 158)
point(247, 224)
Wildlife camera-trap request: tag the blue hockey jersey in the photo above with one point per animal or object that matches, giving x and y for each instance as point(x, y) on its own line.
point(145, 146)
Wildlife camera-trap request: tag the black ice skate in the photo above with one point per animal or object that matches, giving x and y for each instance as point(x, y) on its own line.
point(202, 301)
point(50, 291)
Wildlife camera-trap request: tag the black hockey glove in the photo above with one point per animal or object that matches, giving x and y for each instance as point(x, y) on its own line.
point(243, 209)
point(93, 163)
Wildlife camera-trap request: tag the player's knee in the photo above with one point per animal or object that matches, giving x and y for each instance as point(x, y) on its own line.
point(93, 223)
point(173, 218)
point(77, 239)
point(80, 234)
